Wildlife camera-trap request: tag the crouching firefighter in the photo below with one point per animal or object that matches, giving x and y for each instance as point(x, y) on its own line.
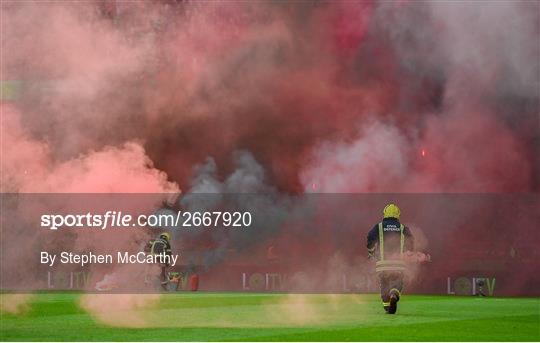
point(386, 243)
point(161, 246)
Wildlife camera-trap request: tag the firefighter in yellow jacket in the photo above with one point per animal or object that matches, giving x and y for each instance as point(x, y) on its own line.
point(387, 242)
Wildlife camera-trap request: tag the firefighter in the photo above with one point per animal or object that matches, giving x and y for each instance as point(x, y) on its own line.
point(161, 246)
point(387, 242)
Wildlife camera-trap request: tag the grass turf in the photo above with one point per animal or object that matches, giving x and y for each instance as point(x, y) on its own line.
point(269, 317)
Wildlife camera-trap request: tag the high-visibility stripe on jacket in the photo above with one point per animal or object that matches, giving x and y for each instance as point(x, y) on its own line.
point(389, 265)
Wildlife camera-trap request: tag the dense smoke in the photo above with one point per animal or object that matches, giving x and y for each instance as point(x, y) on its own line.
point(274, 98)
point(314, 90)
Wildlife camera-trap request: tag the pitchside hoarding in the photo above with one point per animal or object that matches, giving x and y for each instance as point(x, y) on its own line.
point(464, 243)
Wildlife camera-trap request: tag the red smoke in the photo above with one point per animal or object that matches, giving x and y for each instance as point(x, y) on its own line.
point(298, 97)
point(289, 82)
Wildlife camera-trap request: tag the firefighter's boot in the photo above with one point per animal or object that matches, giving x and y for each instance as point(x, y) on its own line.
point(394, 298)
point(386, 303)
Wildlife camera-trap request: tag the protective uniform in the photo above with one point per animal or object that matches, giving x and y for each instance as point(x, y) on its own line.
point(386, 242)
point(158, 246)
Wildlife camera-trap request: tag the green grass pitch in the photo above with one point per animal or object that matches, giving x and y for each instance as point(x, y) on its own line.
point(274, 317)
